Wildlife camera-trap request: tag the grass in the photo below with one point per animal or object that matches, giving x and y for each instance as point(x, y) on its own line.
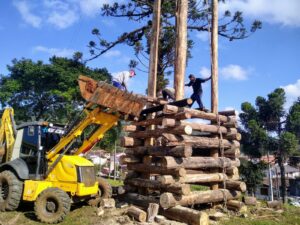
point(86, 215)
point(115, 183)
point(199, 188)
point(291, 216)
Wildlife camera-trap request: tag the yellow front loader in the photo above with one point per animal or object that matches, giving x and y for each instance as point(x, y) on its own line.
point(43, 162)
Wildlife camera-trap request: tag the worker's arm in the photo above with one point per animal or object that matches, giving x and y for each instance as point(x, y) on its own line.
point(189, 84)
point(205, 79)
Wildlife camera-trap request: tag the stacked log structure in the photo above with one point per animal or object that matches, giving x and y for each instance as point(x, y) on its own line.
point(180, 156)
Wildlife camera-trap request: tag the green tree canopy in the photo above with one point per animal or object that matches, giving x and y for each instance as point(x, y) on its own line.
point(45, 91)
point(293, 119)
point(252, 174)
point(267, 128)
point(231, 26)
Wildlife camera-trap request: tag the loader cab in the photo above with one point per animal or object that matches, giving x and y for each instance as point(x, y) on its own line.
point(33, 141)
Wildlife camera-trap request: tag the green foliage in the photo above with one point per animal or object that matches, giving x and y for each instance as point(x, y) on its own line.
point(267, 128)
point(271, 110)
point(288, 142)
point(195, 187)
point(259, 122)
point(252, 174)
point(293, 119)
point(45, 91)
point(111, 138)
point(115, 183)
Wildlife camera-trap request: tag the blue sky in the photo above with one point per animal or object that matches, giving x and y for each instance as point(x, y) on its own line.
point(38, 29)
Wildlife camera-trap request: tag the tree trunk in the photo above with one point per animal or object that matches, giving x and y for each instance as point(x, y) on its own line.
point(179, 103)
point(197, 126)
point(137, 214)
point(235, 185)
point(158, 132)
point(142, 168)
point(152, 78)
point(193, 178)
point(130, 142)
point(181, 47)
point(250, 200)
point(139, 200)
point(274, 204)
point(237, 206)
point(197, 162)
point(152, 212)
point(186, 215)
point(283, 184)
point(181, 189)
point(177, 151)
point(198, 142)
point(168, 200)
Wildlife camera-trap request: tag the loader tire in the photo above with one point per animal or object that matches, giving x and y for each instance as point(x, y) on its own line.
point(104, 191)
point(11, 189)
point(52, 205)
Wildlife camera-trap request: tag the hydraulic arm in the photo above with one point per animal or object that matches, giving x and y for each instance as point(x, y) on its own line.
point(7, 135)
point(102, 121)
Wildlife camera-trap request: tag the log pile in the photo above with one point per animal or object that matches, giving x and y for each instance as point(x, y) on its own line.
point(179, 156)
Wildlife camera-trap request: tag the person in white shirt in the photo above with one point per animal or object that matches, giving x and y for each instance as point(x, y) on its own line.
point(168, 94)
point(120, 79)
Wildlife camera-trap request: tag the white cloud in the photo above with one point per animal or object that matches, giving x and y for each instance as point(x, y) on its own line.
point(61, 52)
point(235, 72)
point(112, 53)
point(27, 15)
point(92, 7)
point(205, 72)
point(62, 20)
point(203, 36)
point(59, 13)
point(231, 71)
point(292, 92)
point(276, 11)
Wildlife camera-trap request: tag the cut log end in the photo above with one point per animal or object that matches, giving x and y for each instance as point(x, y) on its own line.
point(167, 200)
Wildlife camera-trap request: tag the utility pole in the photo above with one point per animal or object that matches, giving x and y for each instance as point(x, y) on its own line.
point(214, 71)
point(271, 198)
point(181, 47)
point(115, 167)
point(152, 78)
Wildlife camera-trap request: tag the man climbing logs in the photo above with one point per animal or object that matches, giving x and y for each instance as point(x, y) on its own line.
point(120, 79)
point(197, 89)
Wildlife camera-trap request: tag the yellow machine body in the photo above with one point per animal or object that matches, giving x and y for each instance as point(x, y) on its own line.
point(65, 177)
point(65, 170)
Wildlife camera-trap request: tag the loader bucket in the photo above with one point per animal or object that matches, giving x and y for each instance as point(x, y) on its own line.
point(106, 95)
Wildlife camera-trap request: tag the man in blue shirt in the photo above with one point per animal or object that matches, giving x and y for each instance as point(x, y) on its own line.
point(197, 89)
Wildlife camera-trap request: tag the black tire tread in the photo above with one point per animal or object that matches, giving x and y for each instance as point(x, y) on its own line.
point(105, 191)
point(64, 200)
point(16, 190)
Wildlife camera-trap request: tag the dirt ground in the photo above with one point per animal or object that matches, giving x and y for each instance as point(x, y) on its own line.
point(82, 214)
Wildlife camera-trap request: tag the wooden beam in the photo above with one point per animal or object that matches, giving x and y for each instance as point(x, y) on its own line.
point(179, 103)
point(177, 151)
point(168, 200)
point(153, 62)
point(180, 47)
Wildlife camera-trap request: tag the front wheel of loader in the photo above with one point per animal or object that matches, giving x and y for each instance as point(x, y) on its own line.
point(52, 205)
point(104, 191)
point(11, 189)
